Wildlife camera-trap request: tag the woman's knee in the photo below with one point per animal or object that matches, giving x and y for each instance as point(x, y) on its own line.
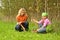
point(27, 23)
point(17, 27)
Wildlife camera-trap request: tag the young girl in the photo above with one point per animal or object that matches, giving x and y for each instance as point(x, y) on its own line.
point(43, 23)
point(22, 24)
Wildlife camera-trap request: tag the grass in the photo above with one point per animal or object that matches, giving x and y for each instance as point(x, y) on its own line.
point(7, 32)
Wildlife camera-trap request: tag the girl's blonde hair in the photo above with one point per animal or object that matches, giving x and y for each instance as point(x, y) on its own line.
point(21, 10)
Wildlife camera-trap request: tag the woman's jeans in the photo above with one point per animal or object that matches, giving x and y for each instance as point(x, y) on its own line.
point(25, 25)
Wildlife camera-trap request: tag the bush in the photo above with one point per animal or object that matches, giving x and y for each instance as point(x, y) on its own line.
point(49, 28)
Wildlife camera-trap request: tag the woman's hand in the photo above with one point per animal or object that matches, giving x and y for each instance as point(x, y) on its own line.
point(19, 23)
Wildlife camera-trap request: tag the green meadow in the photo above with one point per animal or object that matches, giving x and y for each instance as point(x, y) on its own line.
point(8, 32)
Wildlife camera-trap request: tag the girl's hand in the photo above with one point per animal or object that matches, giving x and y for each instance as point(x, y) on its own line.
point(32, 19)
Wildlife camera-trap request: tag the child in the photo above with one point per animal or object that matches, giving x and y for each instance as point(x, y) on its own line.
point(43, 23)
point(22, 24)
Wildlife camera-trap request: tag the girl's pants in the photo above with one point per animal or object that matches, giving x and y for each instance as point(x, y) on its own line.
point(41, 29)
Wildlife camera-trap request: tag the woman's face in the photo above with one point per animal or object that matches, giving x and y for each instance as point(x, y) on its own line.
point(22, 13)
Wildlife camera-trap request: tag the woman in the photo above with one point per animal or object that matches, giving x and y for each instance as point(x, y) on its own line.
point(22, 24)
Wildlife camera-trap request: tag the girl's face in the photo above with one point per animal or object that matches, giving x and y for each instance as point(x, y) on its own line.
point(44, 17)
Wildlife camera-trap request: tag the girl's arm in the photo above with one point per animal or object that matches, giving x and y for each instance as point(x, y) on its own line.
point(34, 20)
point(45, 23)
